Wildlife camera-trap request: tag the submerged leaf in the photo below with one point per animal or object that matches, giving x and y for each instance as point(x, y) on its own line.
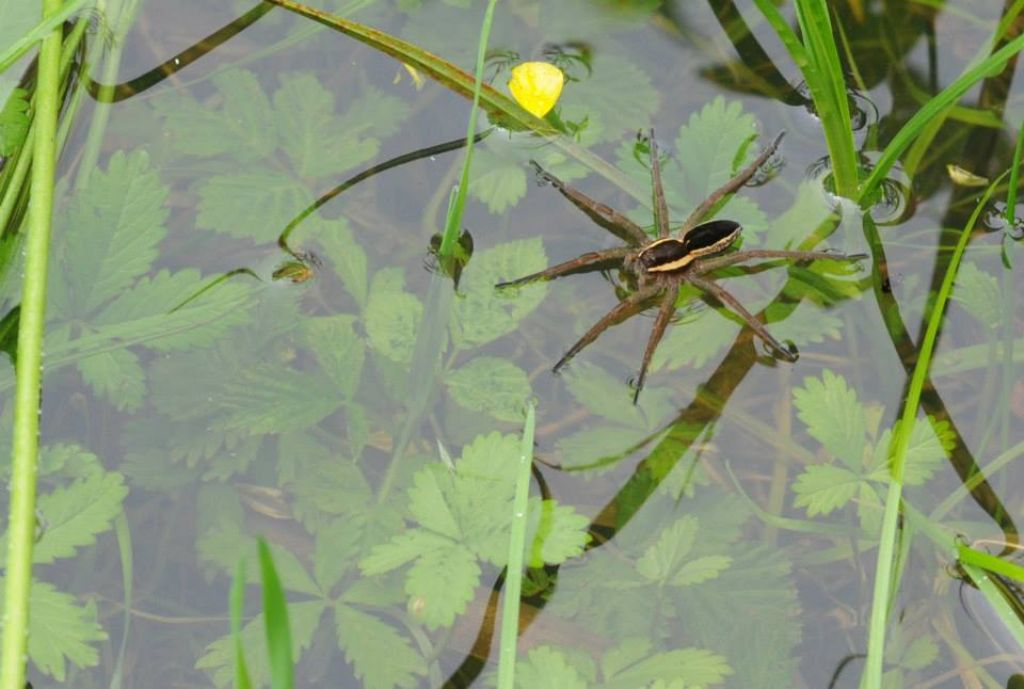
point(61, 631)
point(492, 385)
point(380, 656)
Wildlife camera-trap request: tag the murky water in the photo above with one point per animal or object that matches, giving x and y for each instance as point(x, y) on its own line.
point(364, 417)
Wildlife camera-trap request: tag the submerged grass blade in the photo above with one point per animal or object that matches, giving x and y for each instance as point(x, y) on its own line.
point(828, 88)
point(885, 581)
point(124, 547)
point(923, 117)
point(514, 570)
point(275, 615)
point(51, 22)
point(25, 443)
point(454, 220)
point(236, 605)
point(990, 589)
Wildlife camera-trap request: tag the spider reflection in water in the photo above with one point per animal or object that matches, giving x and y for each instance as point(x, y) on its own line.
point(661, 266)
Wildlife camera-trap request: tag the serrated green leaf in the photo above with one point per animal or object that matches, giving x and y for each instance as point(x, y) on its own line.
point(660, 561)
point(492, 385)
point(628, 652)
point(339, 350)
point(598, 391)
point(694, 340)
point(13, 122)
point(114, 225)
point(254, 204)
point(554, 533)
point(115, 376)
point(441, 583)
point(708, 145)
point(346, 257)
point(484, 313)
point(321, 482)
point(926, 452)
point(75, 514)
point(401, 549)
point(428, 501)
point(692, 666)
point(392, 316)
point(808, 324)
point(823, 488)
point(979, 294)
point(143, 313)
point(317, 140)
point(834, 416)
point(546, 668)
point(272, 399)
point(598, 448)
point(498, 182)
point(700, 570)
point(242, 125)
point(598, 97)
point(61, 631)
point(381, 657)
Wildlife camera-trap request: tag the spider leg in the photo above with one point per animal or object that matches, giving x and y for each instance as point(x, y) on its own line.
point(591, 258)
point(665, 313)
point(629, 306)
point(727, 299)
point(605, 216)
point(741, 178)
point(660, 206)
point(700, 267)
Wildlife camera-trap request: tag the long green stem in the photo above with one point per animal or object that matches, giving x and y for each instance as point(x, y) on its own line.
point(514, 569)
point(22, 522)
point(885, 586)
point(454, 220)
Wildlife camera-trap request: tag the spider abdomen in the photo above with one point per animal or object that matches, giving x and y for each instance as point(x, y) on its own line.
point(669, 255)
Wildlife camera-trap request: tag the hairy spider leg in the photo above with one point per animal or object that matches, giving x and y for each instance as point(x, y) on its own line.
point(727, 299)
point(605, 216)
point(741, 178)
point(665, 313)
point(703, 266)
point(592, 258)
point(660, 206)
point(629, 306)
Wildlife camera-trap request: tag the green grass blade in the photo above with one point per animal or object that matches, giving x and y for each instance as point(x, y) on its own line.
point(885, 582)
point(51, 22)
point(236, 606)
point(514, 570)
point(454, 220)
point(828, 88)
point(994, 597)
point(25, 443)
point(275, 615)
point(124, 547)
point(921, 119)
point(990, 563)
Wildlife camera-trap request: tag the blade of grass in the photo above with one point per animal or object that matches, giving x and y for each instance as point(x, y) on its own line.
point(817, 58)
point(124, 547)
point(885, 583)
point(454, 220)
point(828, 89)
point(237, 605)
point(514, 570)
point(25, 443)
point(994, 597)
point(275, 615)
point(921, 119)
point(16, 50)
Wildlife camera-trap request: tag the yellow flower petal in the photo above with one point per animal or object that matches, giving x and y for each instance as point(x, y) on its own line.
point(536, 86)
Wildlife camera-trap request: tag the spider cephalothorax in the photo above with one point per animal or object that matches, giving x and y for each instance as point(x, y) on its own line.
point(662, 265)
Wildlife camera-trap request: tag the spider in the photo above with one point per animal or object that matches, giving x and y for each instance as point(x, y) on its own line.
point(662, 265)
